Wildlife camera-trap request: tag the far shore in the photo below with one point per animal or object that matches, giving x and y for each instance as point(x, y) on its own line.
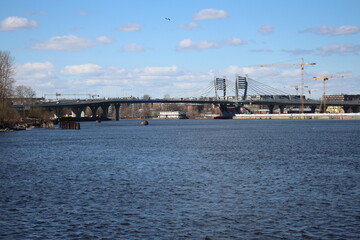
point(300, 116)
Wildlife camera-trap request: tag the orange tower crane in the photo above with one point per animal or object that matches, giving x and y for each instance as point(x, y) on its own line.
point(325, 78)
point(302, 66)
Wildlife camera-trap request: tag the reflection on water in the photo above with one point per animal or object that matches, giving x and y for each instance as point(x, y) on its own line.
point(182, 179)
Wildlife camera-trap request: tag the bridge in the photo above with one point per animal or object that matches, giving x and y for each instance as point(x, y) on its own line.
point(231, 97)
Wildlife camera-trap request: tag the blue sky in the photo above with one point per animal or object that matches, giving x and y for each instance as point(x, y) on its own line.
point(118, 48)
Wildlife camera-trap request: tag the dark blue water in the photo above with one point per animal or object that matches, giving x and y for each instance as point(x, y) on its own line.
point(183, 179)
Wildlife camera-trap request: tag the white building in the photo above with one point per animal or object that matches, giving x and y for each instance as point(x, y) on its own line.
point(172, 115)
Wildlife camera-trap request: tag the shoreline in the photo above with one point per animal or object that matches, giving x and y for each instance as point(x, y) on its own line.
point(345, 116)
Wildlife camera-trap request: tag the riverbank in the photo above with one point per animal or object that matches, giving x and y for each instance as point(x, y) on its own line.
point(25, 124)
point(300, 116)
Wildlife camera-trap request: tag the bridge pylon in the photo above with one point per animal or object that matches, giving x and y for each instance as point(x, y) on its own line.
point(241, 83)
point(220, 85)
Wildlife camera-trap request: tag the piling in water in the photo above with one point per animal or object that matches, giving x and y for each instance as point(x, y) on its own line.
point(48, 125)
point(69, 125)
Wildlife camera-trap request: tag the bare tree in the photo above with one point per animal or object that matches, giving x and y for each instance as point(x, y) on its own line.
point(7, 71)
point(24, 93)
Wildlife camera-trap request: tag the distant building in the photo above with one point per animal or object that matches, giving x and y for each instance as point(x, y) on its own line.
point(172, 115)
point(343, 97)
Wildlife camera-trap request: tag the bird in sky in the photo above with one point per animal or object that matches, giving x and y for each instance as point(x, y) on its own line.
point(167, 19)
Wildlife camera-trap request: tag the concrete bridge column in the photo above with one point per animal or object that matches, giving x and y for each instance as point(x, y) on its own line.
point(77, 111)
point(281, 108)
point(346, 109)
point(117, 111)
point(355, 109)
point(313, 109)
point(105, 108)
point(94, 109)
point(229, 110)
point(271, 109)
point(57, 112)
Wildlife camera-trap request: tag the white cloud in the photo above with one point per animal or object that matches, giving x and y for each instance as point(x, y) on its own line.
point(35, 74)
point(114, 81)
point(298, 52)
point(189, 26)
point(13, 23)
point(266, 29)
point(261, 50)
point(342, 30)
point(233, 41)
point(34, 70)
point(343, 49)
point(38, 13)
point(333, 49)
point(133, 47)
point(189, 45)
point(346, 30)
point(66, 43)
point(131, 27)
point(209, 13)
point(104, 40)
point(37, 66)
point(84, 69)
point(156, 71)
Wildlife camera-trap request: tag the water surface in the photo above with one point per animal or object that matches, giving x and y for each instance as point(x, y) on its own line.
point(183, 179)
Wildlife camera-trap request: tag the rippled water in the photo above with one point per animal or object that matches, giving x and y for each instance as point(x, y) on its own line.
point(183, 179)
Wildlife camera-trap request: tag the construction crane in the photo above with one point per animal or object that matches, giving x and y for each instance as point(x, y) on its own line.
point(302, 66)
point(312, 90)
point(325, 78)
point(296, 87)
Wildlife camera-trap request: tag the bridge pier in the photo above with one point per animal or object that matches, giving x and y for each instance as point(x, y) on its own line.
point(105, 108)
point(346, 109)
point(117, 111)
point(57, 111)
point(271, 109)
point(355, 109)
point(313, 109)
point(229, 110)
point(94, 109)
point(282, 107)
point(77, 111)
point(323, 108)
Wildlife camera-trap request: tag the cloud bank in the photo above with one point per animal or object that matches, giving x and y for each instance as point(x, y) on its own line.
point(114, 81)
point(326, 30)
point(15, 23)
point(130, 27)
point(209, 14)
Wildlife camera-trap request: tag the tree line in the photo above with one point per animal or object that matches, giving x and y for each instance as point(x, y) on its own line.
point(9, 92)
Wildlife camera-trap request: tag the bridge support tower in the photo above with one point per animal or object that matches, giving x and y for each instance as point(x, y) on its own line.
point(313, 109)
point(229, 110)
point(117, 111)
point(77, 111)
point(105, 108)
point(355, 109)
point(271, 109)
point(282, 107)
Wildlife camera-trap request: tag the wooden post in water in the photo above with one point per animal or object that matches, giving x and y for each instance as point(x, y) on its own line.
point(69, 125)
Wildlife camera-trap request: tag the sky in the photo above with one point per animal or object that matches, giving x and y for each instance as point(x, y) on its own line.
point(118, 48)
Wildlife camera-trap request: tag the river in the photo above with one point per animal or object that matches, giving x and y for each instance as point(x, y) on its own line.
point(183, 179)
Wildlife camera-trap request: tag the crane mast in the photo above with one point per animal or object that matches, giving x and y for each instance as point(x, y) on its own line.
point(326, 78)
point(302, 67)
